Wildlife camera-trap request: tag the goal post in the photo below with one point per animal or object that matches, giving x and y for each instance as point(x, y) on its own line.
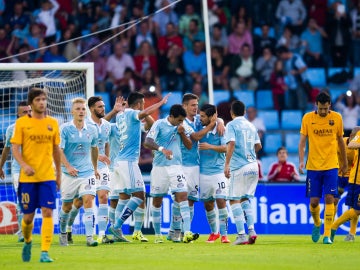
point(63, 82)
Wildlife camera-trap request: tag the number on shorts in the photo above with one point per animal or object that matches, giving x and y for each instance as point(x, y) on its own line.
point(92, 181)
point(221, 185)
point(105, 177)
point(180, 178)
point(25, 198)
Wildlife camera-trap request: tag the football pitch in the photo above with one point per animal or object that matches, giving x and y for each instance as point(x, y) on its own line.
point(269, 252)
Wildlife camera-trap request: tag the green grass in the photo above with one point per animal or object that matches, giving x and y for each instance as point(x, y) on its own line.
point(269, 252)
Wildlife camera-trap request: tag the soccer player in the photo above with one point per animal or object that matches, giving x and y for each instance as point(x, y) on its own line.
point(352, 214)
point(126, 167)
point(79, 157)
point(165, 138)
point(213, 184)
point(241, 167)
point(35, 146)
point(97, 110)
point(22, 109)
point(323, 129)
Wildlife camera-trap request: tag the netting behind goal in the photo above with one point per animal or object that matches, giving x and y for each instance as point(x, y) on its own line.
point(63, 81)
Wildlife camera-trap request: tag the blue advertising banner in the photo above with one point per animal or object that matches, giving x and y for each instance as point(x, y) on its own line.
point(278, 209)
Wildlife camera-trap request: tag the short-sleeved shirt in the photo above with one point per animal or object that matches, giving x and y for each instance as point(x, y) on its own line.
point(354, 177)
point(37, 138)
point(322, 133)
point(15, 167)
point(103, 137)
point(76, 145)
point(245, 136)
point(212, 162)
point(129, 127)
point(166, 135)
point(191, 157)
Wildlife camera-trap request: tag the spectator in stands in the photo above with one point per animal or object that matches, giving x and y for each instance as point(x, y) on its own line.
point(220, 68)
point(278, 86)
point(295, 70)
point(144, 58)
point(252, 116)
point(46, 16)
point(242, 70)
point(171, 38)
point(263, 40)
point(224, 108)
point(289, 40)
point(150, 81)
point(355, 19)
point(34, 38)
point(240, 36)
point(312, 39)
point(128, 81)
point(99, 68)
point(17, 21)
point(144, 34)
point(195, 65)
point(21, 57)
point(282, 170)
point(338, 30)
point(264, 66)
point(193, 34)
point(4, 43)
point(116, 65)
point(72, 49)
point(172, 70)
point(198, 90)
point(317, 10)
point(291, 13)
point(187, 17)
point(348, 104)
point(219, 37)
point(53, 55)
point(161, 19)
point(241, 15)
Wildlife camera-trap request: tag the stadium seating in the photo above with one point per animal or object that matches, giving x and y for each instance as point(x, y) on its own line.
point(257, 31)
point(335, 93)
point(292, 142)
point(106, 98)
point(246, 96)
point(291, 119)
point(316, 76)
point(270, 118)
point(221, 96)
point(264, 100)
point(272, 141)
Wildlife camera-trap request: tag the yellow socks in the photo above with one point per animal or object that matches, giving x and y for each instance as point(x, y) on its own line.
point(47, 232)
point(27, 231)
point(335, 210)
point(349, 214)
point(315, 213)
point(353, 225)
point(328, 218)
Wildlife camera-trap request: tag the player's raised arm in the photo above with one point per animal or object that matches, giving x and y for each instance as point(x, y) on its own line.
point(153, 108)
point(119, 106)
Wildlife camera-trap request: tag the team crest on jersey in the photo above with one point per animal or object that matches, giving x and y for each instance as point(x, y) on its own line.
point(331, 122)
point(50, 128)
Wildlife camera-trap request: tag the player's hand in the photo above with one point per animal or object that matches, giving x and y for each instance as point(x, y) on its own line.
point(165, 99)
point(72, 171)
point(28, 170)
point(2, 174)
point(168, 154)
point(120, 104)
point(104, 159)
point(220, 129)
point(58, 181)
point(97, 174)
point(344, 169)
point(227, 171)
point(301, 167)
point(180, 129)
point(204, 146)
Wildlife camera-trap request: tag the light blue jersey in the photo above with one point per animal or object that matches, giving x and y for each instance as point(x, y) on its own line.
point(245, 136)
point(191, 157)
point(15, 167)
point(114, 140)
point(212, 162)
point(129, 126)
point(166, 135)
point(103, 137)
point(77, 147)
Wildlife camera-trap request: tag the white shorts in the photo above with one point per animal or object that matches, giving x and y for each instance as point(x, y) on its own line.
point(243, 181)
point(127, 177)
point(213, 187)
point(72, 187)
point(165, 178)
point(192, 175)
point(15, 179)
point(113, 195)
point(104, 182)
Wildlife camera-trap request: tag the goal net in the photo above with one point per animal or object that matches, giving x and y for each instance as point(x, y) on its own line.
point(64, 82)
